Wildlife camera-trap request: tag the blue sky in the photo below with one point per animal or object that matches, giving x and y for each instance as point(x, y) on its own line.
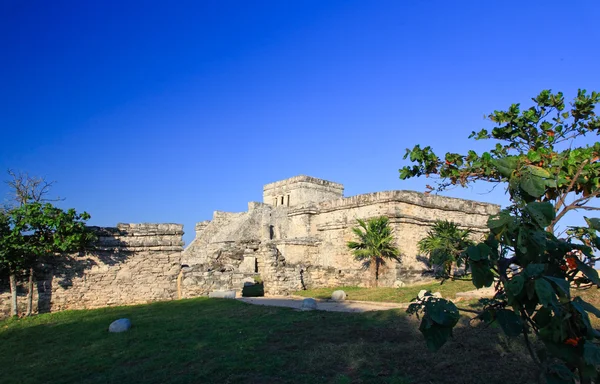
point(166, 111)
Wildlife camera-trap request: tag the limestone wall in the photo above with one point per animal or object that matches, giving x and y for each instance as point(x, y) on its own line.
point(411, 214)
point(131, 263)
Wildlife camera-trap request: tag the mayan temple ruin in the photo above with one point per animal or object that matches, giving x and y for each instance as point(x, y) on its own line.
point(294, 239)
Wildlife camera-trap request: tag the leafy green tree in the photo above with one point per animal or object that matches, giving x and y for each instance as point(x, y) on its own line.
point(27, 189)
point(549, 169)
point(445, 244)
point(33, 230)
point(375, 244)
point(49, 232)
point(10, 262)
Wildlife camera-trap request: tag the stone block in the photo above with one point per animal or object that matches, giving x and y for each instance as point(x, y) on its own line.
point(222, 294)
point(248, 265)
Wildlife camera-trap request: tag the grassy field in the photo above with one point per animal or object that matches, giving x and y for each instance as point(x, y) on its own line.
point(393, 295)
point(226, 341)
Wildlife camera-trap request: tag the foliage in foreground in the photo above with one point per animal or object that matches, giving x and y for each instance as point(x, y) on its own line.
point(547, 175)
point(375, 244)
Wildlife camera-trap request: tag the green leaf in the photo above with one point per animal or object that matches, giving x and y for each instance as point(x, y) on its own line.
point(591, 353)
point(588, 307)
point(545, 292)
point(515, 285)
point(484, 250)
point(482, 274)
point(538, 171)
point(505, 165)
point(500, 220)
point(510, 322)
point(533, 156)
point(550, 183)
point(435, 335)
point(474, 253)
point(542, 212)
point(579, 304)
point(443, 312)
point(559, 374)
point(562, 284)
point(534, 186)
point(588, 271)
point(593, 223)
point(534, 270)
point(543, 317)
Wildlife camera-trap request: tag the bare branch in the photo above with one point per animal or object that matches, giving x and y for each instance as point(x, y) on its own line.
point(28, 189)
point(576, 204)
point(470, 311)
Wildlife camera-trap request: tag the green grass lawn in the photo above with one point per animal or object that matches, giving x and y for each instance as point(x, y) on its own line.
point(393, 295)
point(225, 341)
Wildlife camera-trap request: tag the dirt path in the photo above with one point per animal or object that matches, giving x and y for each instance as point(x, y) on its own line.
point(323, 305)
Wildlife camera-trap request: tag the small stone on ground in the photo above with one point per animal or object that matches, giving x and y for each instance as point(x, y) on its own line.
point(120, 325)
point(309, 304)
point(338, 295)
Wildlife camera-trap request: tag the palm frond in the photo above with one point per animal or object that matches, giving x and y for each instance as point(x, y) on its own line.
point(375, 241)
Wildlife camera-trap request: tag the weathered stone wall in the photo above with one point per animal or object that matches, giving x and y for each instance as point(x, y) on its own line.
point(411, 215)
point(132, 263)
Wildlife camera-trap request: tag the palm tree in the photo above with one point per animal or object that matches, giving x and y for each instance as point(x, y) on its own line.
point(375, 244)
point(444, 244)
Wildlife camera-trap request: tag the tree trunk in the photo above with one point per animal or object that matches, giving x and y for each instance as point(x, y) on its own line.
point(29, 310)
point(376, 273)
point(14, 311)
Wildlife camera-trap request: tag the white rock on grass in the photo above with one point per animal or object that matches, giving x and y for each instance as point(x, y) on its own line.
point(120, 325)
point(309, 304)
point(222, 294)
point(338, 295)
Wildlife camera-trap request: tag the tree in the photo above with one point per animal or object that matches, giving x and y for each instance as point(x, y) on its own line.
point(26, 190)
point(444, 244)
point(548, 171)
point(375, 244)
point(10, 263)
point(33, 230)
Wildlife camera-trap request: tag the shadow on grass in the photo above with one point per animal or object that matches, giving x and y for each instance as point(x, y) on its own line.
point(227, 341)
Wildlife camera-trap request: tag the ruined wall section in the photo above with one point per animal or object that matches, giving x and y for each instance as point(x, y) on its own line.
point(131, 264)
point(411, 215)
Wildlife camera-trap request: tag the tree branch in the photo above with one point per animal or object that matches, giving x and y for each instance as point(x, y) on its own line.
point(561, 201)
point(575, 205)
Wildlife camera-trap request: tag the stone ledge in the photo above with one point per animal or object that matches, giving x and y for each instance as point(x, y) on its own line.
point(413, 198)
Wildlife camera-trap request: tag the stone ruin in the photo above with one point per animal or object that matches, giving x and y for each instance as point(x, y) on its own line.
point(295, 239)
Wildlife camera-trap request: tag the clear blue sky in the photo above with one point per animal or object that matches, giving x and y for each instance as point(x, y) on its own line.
point(166, 111)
